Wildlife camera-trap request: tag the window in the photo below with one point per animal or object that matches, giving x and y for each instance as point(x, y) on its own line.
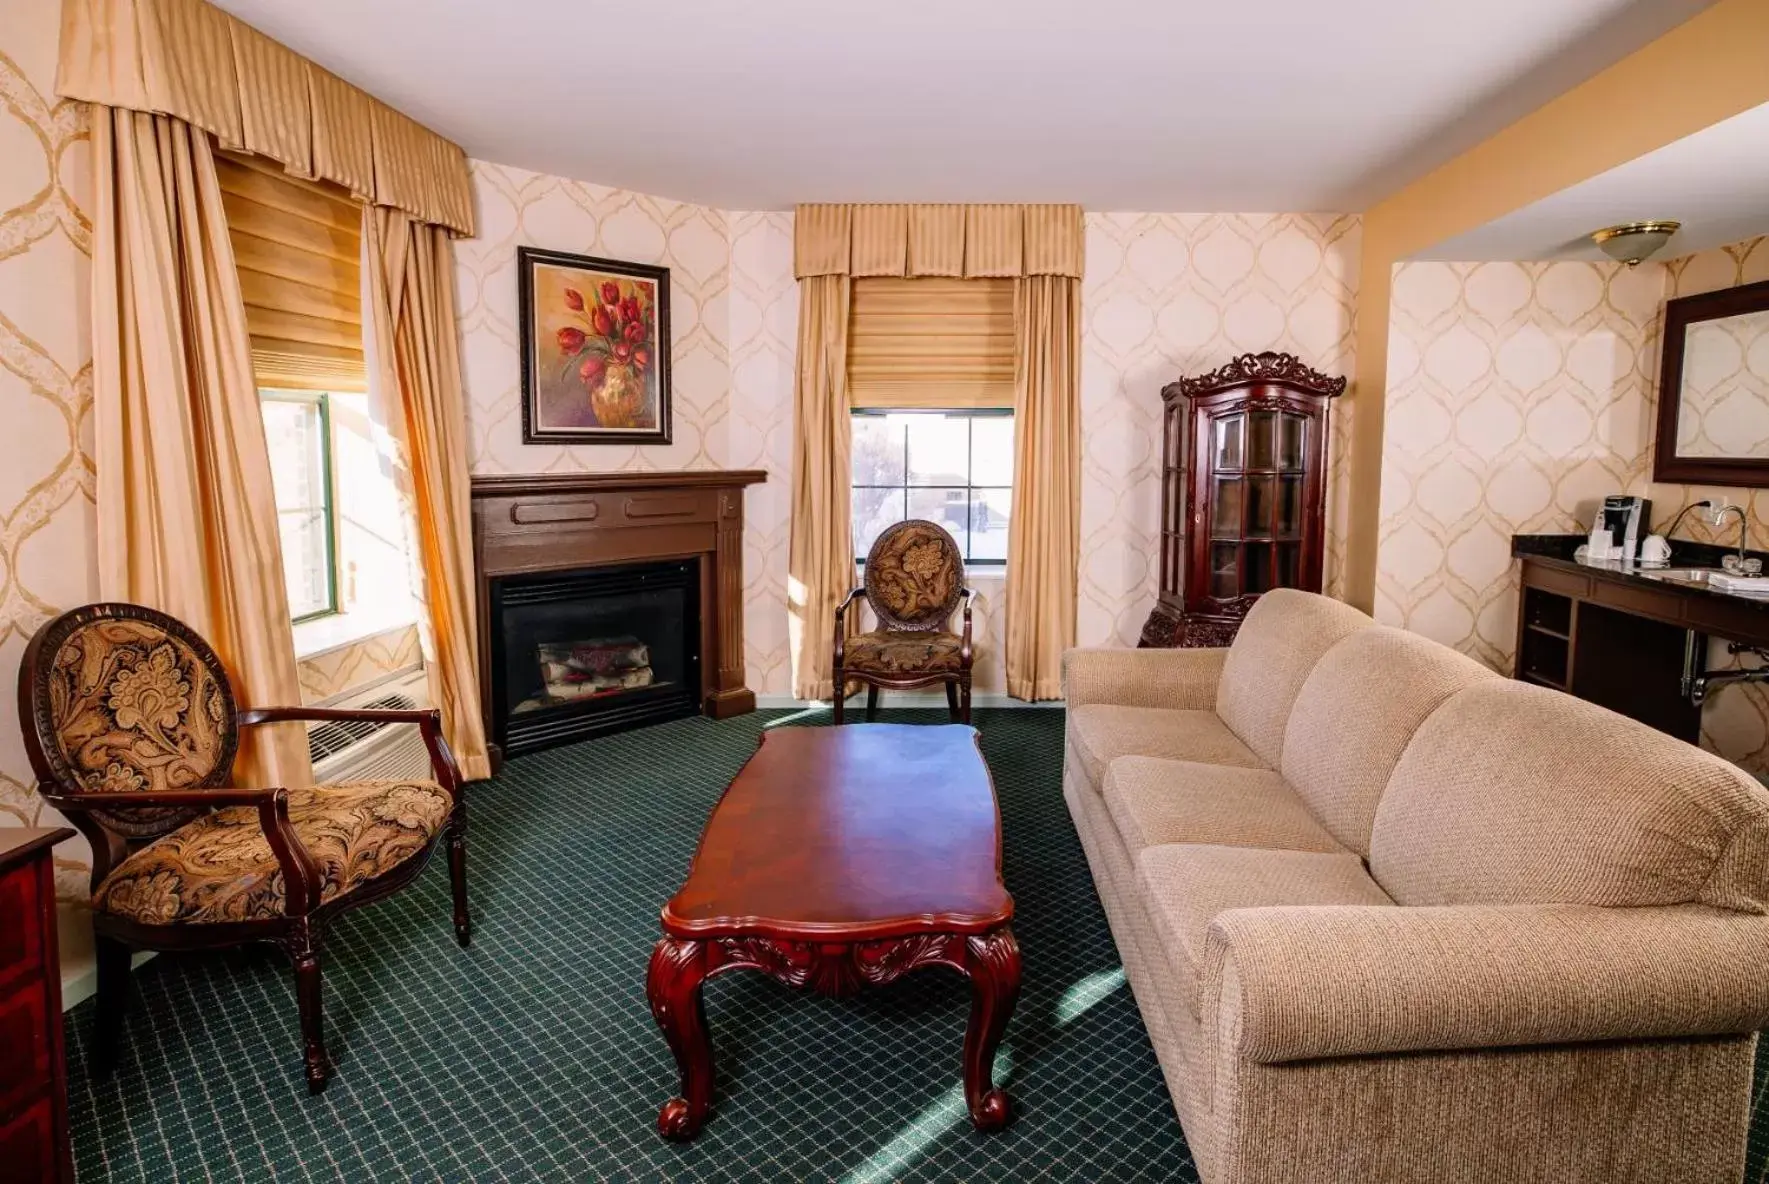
point(950, 467)
point(297, 427)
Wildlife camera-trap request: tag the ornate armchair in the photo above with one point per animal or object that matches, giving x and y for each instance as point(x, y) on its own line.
point(914, 579)
point(131, 729)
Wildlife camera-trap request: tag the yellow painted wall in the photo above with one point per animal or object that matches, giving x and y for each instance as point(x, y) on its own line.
point(1711, 68)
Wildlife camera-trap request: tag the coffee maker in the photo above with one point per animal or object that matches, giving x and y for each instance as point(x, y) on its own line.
point(1621, 522)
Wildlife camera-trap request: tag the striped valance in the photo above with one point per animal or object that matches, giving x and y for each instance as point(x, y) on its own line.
point(968, 241)
point(190, 60)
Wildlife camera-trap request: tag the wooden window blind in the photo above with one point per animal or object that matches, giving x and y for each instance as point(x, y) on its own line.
point(298, 247)
point(931, 341)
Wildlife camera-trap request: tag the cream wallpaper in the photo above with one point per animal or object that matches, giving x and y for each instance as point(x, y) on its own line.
point(734, 326)
point(733, 323)
point(46, 489)
point(1167, 295)
point(1520, 394)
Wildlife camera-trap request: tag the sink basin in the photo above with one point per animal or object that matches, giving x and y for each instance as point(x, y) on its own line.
point(1682, 575)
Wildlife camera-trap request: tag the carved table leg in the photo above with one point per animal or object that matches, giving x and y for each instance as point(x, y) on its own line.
point(993, 963)
point(673, 986)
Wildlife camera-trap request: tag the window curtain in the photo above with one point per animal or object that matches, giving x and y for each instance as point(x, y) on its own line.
point(411, 294)
point(202, 490)
point(186, 512)
point(820, 554)
point(1044, 532)
point(1039, 248)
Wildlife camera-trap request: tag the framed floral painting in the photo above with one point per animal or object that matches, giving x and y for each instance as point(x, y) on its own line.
point(595, 337)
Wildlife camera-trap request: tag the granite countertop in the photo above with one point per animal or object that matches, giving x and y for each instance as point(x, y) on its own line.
point(1557, 551)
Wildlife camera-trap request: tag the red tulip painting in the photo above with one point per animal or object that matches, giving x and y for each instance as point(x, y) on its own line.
point(595, 336)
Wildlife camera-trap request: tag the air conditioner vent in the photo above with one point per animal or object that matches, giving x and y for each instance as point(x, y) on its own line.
point(333, 736)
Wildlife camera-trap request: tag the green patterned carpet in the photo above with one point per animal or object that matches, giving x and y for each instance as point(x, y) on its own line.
point(533, 1055)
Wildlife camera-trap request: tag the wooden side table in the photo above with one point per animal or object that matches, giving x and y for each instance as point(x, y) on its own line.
point(34, 1143)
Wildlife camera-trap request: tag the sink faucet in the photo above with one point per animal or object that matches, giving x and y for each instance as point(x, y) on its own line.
point(1738, 564)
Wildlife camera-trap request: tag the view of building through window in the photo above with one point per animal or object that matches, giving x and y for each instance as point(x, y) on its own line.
point(950, 467)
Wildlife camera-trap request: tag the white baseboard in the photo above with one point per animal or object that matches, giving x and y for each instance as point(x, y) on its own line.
point(907, 699)
point(82, 983)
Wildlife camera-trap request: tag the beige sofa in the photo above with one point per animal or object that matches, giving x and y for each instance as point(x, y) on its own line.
point(1391, 917)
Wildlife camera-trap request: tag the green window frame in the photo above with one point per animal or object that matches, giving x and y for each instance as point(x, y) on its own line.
point(326, 509)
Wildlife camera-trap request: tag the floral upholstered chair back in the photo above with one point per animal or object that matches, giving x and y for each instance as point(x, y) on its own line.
point(914, 577)
point(121, 699)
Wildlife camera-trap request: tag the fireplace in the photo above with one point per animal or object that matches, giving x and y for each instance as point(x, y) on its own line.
point(607, 601)
point(577, 654)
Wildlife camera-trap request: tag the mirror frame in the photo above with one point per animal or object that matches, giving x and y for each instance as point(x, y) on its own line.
point(1680, 313)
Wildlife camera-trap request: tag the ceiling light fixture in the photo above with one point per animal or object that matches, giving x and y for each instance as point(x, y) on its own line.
point(1633, 241)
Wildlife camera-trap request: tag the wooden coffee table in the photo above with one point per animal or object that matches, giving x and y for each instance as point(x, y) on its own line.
point(838, 858)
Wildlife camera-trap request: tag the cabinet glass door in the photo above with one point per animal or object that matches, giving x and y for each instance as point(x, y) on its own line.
point(1228, 430)
point(1230, 495)
point(1255, 504)
point(1257, 488)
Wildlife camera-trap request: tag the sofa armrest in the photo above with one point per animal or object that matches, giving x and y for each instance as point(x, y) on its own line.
point(1314, 982)
point(1176, 679)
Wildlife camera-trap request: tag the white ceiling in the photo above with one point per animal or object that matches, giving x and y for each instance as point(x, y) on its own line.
point(1184, 105)
point(1715, 182)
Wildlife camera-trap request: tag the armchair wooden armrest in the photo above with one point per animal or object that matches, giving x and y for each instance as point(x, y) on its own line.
point(301, 875)
point(841, 634)
point(428, 719)
point(964, 650)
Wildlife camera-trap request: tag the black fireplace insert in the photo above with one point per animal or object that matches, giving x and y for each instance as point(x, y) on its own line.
point(597, 650)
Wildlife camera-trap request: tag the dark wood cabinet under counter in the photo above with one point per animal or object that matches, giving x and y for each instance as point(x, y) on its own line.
point(1622, 637)
point(34, 1142)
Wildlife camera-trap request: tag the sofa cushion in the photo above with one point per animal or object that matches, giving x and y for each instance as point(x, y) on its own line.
point(1186, 886)
point(1100, 733)
point(1354, 715)
point(1277, 646)
point(1154, 802)
point(1512, 794)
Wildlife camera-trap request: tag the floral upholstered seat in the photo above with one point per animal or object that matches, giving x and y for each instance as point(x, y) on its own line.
point(891, 651)
point(914, 582)
point(220, 867)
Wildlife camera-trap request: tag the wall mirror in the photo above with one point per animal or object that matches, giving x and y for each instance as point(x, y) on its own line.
point(1713, 395)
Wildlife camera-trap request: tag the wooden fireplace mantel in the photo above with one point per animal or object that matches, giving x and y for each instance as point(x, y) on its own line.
point(527, 524)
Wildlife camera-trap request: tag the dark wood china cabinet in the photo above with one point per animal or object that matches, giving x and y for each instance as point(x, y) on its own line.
point(1243, 493)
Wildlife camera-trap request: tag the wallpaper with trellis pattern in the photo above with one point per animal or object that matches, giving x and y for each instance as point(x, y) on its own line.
point(1519, 395)
point(46, 471)
point(1167, 295)
point(733, 325)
